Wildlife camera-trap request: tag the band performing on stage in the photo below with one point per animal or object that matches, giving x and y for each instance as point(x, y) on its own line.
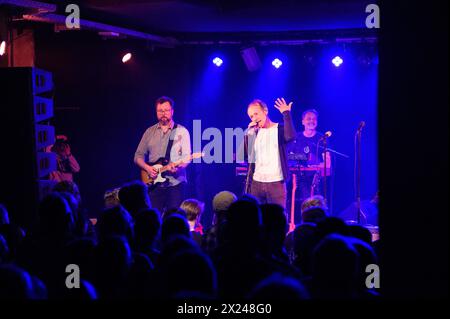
point(203, 151)
point(273, 153)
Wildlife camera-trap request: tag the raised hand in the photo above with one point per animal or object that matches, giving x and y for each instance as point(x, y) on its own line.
point(282, 106)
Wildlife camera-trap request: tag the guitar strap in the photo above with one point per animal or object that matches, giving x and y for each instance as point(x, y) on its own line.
point(170, 144)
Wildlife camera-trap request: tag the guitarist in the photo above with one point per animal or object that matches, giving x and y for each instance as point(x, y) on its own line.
point(171, 141)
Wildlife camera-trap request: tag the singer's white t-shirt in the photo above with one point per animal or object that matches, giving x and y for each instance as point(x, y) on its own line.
point(267, 156)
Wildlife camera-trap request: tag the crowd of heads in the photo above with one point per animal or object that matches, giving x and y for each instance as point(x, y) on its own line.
point(136, 251)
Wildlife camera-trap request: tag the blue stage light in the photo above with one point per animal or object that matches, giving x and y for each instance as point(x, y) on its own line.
point(277, 63)
point(217, 61)
point(337, 61)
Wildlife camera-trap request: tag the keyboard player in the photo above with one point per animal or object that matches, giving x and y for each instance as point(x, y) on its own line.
point(306, 159)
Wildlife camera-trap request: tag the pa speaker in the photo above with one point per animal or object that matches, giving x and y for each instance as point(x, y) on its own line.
point(26, 108)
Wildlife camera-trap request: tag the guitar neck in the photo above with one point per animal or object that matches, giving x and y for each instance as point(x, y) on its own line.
point(177, 163)
point(292, 206)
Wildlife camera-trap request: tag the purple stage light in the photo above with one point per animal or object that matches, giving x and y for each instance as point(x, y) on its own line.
point(217, 61)
point(277, 63)
point(337, 61)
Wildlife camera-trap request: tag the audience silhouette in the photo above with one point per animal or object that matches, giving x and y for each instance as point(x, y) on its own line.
point(134, 251)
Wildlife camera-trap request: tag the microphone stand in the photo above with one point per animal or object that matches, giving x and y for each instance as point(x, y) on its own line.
point(330, 150)
point(325, 169)
point(249, 160)
point(325, 150)
point(330, 206)
point(247, 179)
point(358, 174)
point(335, 152)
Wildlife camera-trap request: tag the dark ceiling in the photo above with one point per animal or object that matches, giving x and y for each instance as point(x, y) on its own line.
point(207, 16)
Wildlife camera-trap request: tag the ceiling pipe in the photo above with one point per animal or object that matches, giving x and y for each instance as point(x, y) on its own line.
point(42, 7)
point(102, 27)
point(283, 42)
point(45, 13)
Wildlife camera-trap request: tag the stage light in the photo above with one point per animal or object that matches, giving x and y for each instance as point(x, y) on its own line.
point(337, 61)
point(277, 63)
point(126, 57)
point(3, 48)
point(217, 61)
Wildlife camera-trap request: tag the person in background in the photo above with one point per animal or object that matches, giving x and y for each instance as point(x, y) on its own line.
point(308, 144)
point(194, 209)
point(214, 236)
point(66, 164)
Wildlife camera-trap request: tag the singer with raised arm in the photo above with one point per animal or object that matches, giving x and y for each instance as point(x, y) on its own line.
point(265, 151)
point(168, 148)
point(307, 151)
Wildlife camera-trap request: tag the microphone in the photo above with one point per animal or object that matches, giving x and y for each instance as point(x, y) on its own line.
point(326, 135)
point(256, 129)
point(254, 126)
point(361, 125)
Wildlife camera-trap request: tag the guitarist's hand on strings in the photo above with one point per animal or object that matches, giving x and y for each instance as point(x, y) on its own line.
point(172, 168)
point(151, 171)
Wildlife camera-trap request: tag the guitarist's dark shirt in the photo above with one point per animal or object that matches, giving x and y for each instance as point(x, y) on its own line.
point(307, 148)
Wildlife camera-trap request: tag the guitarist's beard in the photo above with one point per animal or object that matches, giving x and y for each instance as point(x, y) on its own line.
point(164, 121)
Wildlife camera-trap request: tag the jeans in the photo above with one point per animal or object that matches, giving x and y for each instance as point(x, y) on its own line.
point(273, 192)
point(164, 198)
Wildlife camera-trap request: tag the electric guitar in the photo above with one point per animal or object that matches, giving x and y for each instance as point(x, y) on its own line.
point(162, 165)
point(294, 189)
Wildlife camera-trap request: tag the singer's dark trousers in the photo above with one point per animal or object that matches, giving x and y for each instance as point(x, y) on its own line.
point(164, 198)
point(273, 193)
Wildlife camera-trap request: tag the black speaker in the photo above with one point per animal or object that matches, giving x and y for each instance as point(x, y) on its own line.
point(26, 105)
